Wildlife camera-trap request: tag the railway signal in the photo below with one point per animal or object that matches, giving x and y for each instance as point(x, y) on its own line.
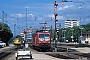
point(55, 18)
point(57, 30)
point(55, 15)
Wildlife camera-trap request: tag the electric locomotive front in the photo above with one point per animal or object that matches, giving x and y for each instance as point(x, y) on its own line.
point(44, 40)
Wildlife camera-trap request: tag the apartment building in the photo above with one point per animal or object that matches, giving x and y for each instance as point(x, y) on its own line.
point(71, 23)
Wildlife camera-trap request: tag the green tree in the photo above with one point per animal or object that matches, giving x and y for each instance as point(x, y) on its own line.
point(5, 33)
point(68, 33)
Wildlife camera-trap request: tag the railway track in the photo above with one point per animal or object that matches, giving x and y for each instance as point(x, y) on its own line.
point(4, 53)
point(64, 54)
point(7, 54)
point(69, 55)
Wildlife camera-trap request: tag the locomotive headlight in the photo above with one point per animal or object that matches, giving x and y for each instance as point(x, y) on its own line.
point(48, 42)
point(39, 42)
point(41, 39)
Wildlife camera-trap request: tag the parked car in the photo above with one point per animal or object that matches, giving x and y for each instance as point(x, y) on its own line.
point(2, 44)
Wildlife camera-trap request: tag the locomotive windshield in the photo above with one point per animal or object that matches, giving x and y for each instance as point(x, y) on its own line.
point(44, 35)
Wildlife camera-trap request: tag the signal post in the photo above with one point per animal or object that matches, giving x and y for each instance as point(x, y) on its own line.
point(56, 29)
point(55, 18)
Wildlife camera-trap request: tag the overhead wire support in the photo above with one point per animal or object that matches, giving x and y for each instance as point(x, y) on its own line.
point(14, 29)
point(26, 18)
point(44, 25)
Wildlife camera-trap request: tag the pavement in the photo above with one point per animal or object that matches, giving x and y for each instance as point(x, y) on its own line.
point(43, 57)
point(82, 50)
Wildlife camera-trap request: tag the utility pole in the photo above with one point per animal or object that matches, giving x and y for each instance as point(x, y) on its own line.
point(14, 29)
point(26, 30)
point(3, 16)
point(81, 34)
point(24, 42)
point(17, 26)
point(44, 25)
point(2, 20)
point(72, 34)
point(26, 16)
point(64, 38)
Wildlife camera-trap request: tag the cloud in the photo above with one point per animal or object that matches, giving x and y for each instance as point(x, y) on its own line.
point(52, 16)
point(21, 15)
point(60, 17)
point(26, 6)
point(40, 18)
point(0, 20)
point(17, 7)
point(65, 7)
point(32, 15)
point(79, 7)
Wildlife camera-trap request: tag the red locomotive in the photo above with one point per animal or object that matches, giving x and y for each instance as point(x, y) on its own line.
point(41, 40)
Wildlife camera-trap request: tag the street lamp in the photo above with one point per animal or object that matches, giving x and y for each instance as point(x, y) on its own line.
point(14, 29)
point(26, 15)
point(81, 31)
point(64, 34)
point(72, 35)
point(81, 34)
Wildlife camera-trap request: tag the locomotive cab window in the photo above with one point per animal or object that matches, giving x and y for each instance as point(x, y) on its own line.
point(44, 35)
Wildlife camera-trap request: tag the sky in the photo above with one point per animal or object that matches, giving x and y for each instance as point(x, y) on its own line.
point(40, 11)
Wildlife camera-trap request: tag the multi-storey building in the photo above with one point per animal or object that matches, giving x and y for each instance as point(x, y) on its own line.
point(71, 23)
